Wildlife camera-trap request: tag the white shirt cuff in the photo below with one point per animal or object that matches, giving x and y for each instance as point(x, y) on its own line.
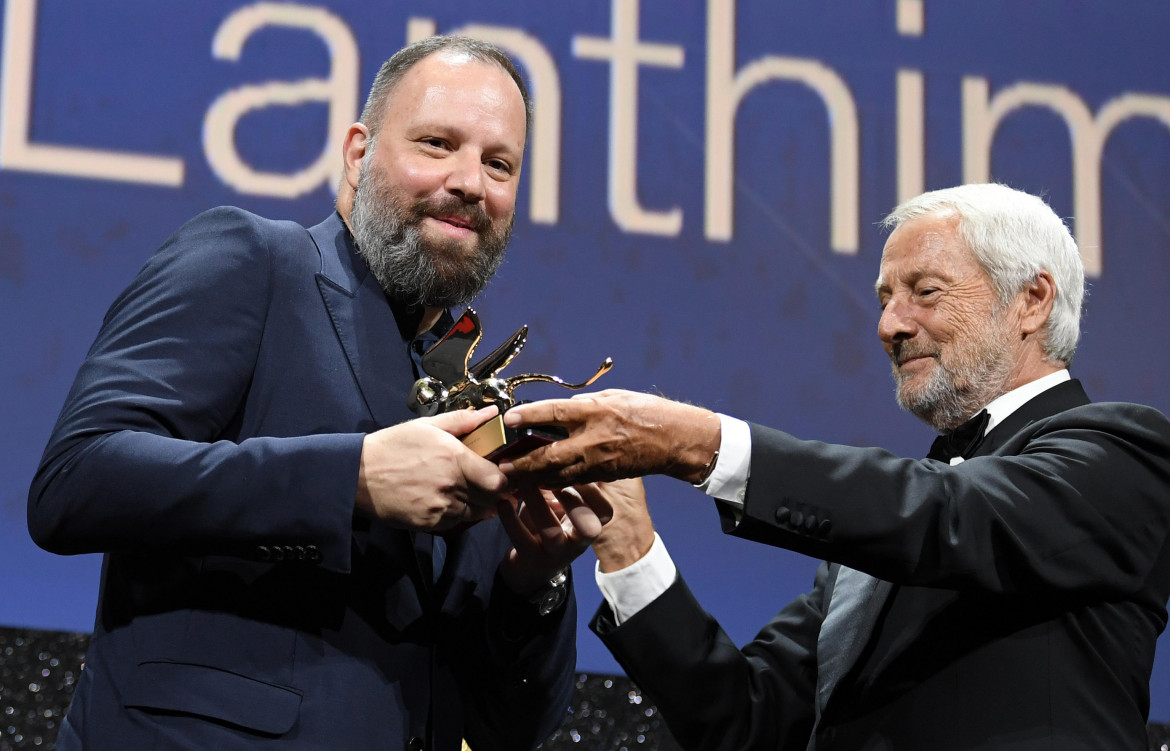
point(634, 587)
point(728, 480)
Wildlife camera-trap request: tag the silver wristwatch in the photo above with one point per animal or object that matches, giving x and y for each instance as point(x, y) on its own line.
point(552, 595)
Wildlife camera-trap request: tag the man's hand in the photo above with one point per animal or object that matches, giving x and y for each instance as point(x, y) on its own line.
point(418, 475)
point(615, 435)
point(629, 535)
point(549, 531)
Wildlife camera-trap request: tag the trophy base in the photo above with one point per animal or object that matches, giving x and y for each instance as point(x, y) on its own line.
point(496, 442)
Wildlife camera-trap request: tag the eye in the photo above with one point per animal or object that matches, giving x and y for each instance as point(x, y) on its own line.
point(499, 165)
point(434, 142)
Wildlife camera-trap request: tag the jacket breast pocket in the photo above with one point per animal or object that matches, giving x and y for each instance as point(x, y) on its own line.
point(218, 695)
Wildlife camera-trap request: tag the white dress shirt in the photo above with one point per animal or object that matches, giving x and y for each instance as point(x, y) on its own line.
point(629, 590)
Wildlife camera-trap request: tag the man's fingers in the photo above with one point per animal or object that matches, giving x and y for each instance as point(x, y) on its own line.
point(591, 497)
point(471, 512)
point(585, 521)
point(537, 513)
point(528, 537)
point(482, 475)
point(547, 412)
point(517, 532)
point(533, 413)
point(462, 421)
point(548, 464)
point(587, 511)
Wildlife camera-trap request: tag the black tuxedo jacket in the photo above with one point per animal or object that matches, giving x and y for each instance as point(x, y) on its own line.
point(1026, 588)
point(210, 448)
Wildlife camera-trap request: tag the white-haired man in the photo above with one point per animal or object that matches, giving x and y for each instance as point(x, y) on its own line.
point(1004, 593)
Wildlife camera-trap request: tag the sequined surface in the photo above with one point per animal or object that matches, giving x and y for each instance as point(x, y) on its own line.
point(608, 712)
point(38, 670)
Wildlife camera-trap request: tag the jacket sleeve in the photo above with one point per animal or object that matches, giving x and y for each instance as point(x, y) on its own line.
point(1079, 504)
point(518, 682)
point(142, 457)
point(714, 696)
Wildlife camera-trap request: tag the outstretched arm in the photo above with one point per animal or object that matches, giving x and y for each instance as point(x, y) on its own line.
point(616, 435)
point(712, 694)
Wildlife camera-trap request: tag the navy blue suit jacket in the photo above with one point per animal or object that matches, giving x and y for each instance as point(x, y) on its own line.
point(1028, 587)
point(210, 448)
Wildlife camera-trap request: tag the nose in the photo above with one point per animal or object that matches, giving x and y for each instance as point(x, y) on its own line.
point(466, 178)
point(896, 322)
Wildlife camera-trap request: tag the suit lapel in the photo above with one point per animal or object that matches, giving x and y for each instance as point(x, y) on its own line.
point(843, 639)
point(376, 344)
point(855, 600)
point(366, 326)
point(1059, 398)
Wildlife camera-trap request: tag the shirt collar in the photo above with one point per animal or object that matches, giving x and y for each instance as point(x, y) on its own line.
point(1004, 405)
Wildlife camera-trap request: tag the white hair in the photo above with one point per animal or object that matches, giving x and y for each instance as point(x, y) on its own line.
point(1014, 236)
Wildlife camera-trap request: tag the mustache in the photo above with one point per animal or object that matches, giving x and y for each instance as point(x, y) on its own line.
point(471, 214)
point(903, 351)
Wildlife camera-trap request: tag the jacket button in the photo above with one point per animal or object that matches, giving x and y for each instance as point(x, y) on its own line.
point(312, 553)
point(263, 553)
point(782, 514)
point(826, 526)
point(277, 553)
point(797, 518)
point(415, 744)
point(810, 522)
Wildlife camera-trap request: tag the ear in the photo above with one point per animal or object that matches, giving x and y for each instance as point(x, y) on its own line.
point(1038, 298)
point(353, 150)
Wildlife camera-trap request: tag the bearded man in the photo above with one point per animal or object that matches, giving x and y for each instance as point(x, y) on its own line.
point(1005, 593)
point(290, 561)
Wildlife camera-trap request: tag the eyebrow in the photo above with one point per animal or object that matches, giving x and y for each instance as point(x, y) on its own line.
point(912, 277)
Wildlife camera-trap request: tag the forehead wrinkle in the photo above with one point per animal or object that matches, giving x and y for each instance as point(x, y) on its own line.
point(486, 111)
point(930, 252)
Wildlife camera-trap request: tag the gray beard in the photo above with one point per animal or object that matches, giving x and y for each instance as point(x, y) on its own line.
point(959, 389)
point(410, 269)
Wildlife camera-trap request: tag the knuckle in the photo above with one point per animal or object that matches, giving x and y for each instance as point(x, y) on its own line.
point(560, 410)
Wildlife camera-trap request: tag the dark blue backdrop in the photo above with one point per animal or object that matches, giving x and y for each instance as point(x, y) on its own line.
point(741, 282)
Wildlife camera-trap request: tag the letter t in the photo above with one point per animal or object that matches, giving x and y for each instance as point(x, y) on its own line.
point(625, 52)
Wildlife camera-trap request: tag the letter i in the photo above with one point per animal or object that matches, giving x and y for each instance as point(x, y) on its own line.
point(911, 116)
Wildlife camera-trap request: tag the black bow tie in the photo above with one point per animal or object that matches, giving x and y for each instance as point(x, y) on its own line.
point(962, 441)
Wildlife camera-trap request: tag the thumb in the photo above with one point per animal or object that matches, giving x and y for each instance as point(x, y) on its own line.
point(462, 421)
point(481, 473)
